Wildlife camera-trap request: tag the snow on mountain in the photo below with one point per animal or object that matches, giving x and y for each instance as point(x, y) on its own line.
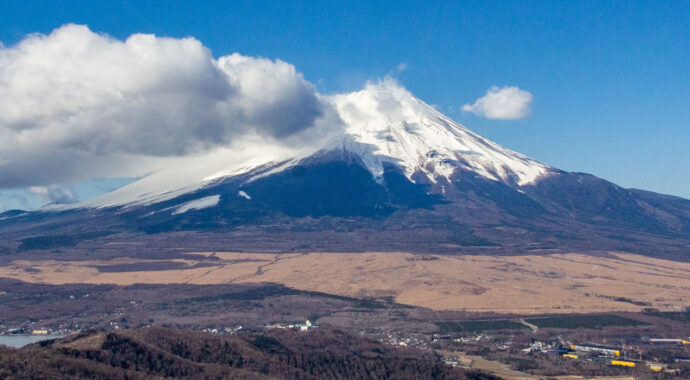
point(189, 175)
point(197, 204)
point(383, 124)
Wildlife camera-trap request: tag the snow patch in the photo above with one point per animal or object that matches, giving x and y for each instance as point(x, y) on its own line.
point(241, 193)
point(197, 204)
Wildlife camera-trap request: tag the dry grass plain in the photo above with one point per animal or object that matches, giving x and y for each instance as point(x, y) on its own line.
point(557, 283)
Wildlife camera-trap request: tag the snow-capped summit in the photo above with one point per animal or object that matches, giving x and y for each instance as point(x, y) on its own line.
point(386, 123)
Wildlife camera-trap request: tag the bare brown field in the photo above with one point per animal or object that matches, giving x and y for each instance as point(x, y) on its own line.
point(557, 283)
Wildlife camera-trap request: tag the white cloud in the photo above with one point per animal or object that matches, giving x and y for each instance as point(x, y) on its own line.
point(505, 103)
point(76, 105)
point(54, 194)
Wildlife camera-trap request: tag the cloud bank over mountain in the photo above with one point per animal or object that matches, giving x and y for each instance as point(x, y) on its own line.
point(75, 104)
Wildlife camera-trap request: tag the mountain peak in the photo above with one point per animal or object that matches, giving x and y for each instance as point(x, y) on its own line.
point(385, 123)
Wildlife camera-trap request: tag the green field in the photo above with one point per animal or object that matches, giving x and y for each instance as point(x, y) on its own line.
point(479, 326)
point(584, 321)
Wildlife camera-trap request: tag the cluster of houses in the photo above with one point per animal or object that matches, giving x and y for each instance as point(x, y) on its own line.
point(611, 355)
point(223, 330)
point(34, 331)
point(416, 340)
point(301, 326)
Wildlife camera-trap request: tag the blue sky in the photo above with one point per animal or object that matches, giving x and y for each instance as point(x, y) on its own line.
point(610, 79)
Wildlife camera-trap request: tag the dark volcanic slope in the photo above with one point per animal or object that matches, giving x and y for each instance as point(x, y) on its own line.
point(334, 204)
point(165, 353)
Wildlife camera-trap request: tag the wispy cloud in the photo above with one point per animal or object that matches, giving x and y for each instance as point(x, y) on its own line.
point(397, 70)
point(504, 103)
point(400, 68)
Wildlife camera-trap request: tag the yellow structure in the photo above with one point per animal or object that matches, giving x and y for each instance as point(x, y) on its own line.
point(655, 367)
point(39, 332)
point(593, 348)
point(623, 363)
point(570, 356)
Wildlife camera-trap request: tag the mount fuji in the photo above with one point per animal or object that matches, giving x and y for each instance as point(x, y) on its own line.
point(399, 176)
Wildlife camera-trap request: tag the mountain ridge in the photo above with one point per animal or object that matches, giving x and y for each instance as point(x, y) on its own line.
point(401, 169)
point(384, 124)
